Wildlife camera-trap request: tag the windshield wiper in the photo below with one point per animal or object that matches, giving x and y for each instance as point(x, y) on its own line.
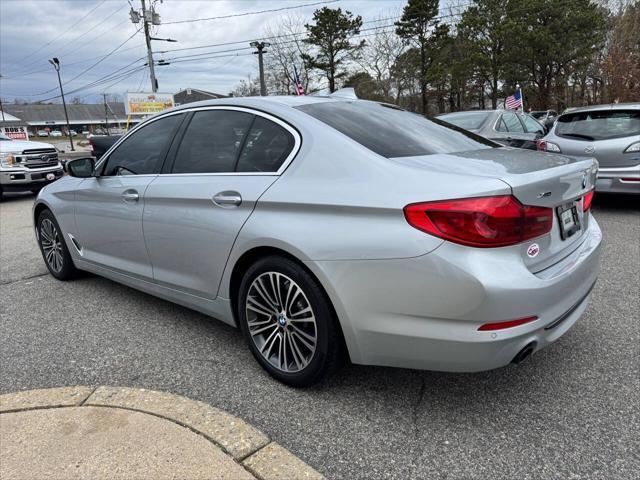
point(578, 135)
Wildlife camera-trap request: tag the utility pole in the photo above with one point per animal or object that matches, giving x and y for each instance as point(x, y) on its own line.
point(56, 64)
point(146, 16)
point(1, 107)
point(260, 46)
point(106, 113)
point(149, 17)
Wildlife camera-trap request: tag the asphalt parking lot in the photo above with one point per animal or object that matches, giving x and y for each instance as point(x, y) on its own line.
point(571, 411)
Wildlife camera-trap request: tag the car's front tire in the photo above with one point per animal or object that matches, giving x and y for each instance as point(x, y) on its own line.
point(288, 322)
point(53, 247)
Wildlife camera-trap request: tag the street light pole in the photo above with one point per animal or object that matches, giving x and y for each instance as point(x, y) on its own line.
point(260, 46)
point(56, 64)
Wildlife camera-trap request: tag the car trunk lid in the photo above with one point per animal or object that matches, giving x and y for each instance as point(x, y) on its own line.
point(610, 153)
point(536, 179)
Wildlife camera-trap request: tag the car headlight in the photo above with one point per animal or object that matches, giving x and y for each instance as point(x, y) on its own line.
point(7, 160)
point(633, 148)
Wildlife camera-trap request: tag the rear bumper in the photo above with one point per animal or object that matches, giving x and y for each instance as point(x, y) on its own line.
point(619, 180)
point(425, 312)
point(27, 179)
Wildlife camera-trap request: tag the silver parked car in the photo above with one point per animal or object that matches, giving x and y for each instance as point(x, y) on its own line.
point(513, 129)
point(611, 134)
point(323, 226)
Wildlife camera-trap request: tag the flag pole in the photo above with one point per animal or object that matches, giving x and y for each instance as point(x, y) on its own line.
point(521, 97)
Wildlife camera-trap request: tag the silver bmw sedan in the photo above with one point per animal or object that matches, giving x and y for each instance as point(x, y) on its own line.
point(329, 229)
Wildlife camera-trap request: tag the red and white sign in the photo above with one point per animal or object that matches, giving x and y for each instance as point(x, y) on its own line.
point(16, 133)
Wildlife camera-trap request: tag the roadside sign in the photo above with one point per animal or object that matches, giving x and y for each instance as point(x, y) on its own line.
point(16, 133)
point(147, 103)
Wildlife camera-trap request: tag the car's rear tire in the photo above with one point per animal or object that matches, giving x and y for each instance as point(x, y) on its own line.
point(288, 322)
point(53, 247)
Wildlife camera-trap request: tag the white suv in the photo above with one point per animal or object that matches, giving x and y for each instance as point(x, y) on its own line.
point(26, 165)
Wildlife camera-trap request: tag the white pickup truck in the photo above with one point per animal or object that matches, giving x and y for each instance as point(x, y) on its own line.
point(26, 165)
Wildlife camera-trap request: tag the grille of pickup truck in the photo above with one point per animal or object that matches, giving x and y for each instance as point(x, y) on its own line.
point(39, 157)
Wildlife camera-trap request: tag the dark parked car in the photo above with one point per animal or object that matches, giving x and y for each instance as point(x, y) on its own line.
point(545, 117)
point(506, 127)
point(101, 143)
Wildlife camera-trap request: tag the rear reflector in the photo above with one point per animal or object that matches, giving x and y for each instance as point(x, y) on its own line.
point(630, 179)
point(507, 324)
point(587, 201)
point(482, 221)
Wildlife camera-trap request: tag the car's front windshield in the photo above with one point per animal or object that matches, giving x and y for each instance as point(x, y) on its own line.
point(393, 132)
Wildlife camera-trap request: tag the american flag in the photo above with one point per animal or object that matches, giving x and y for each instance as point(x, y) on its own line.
point(514, 101)
point(297, 83)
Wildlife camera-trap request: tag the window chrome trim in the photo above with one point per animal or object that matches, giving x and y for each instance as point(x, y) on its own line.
point(294, 151)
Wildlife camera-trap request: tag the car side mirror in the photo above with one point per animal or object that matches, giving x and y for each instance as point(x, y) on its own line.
point(81, 167)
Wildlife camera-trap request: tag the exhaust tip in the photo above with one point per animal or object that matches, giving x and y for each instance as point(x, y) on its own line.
point(525, 353)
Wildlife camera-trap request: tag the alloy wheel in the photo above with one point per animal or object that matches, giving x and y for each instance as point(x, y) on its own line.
point(51, 245)
point(281, 322)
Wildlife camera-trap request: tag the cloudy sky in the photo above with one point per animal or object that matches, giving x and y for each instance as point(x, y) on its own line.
point(81, 33)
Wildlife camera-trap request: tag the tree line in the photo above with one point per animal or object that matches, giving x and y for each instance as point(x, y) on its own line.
point(562, 53)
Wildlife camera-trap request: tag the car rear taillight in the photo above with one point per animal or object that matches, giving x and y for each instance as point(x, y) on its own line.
point(482, 221)
point(545, 146)
point(587, 201)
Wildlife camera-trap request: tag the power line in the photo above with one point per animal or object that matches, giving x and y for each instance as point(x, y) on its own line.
point(144, 74)
point(251, 13)
point(123, 78)
point(98, 82)
point(64, 32)
point(104, 57)
point(92, 29)
point(216, 54)
point(78, 62)
point(298, 34)
point(75, 39)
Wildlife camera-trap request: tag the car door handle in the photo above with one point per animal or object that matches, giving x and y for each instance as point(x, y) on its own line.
point(227, 199)
point(130, 196)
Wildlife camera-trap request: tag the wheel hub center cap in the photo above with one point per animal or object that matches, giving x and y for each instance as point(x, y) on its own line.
point(282, 319)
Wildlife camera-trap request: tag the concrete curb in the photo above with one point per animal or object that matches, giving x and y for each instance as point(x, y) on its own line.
point(249, 447)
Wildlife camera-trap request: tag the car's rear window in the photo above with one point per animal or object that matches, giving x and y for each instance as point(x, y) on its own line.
point(392, 132)
point(599, 124)
point(466, 120)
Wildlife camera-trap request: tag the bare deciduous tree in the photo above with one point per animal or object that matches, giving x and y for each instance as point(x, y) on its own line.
point(380, 54)
point(286, 52)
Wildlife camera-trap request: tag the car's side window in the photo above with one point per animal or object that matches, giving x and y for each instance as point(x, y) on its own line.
point(143, 151)
point(512, 123)
point(266, 148)
point(212, 142)
point(532, 125)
